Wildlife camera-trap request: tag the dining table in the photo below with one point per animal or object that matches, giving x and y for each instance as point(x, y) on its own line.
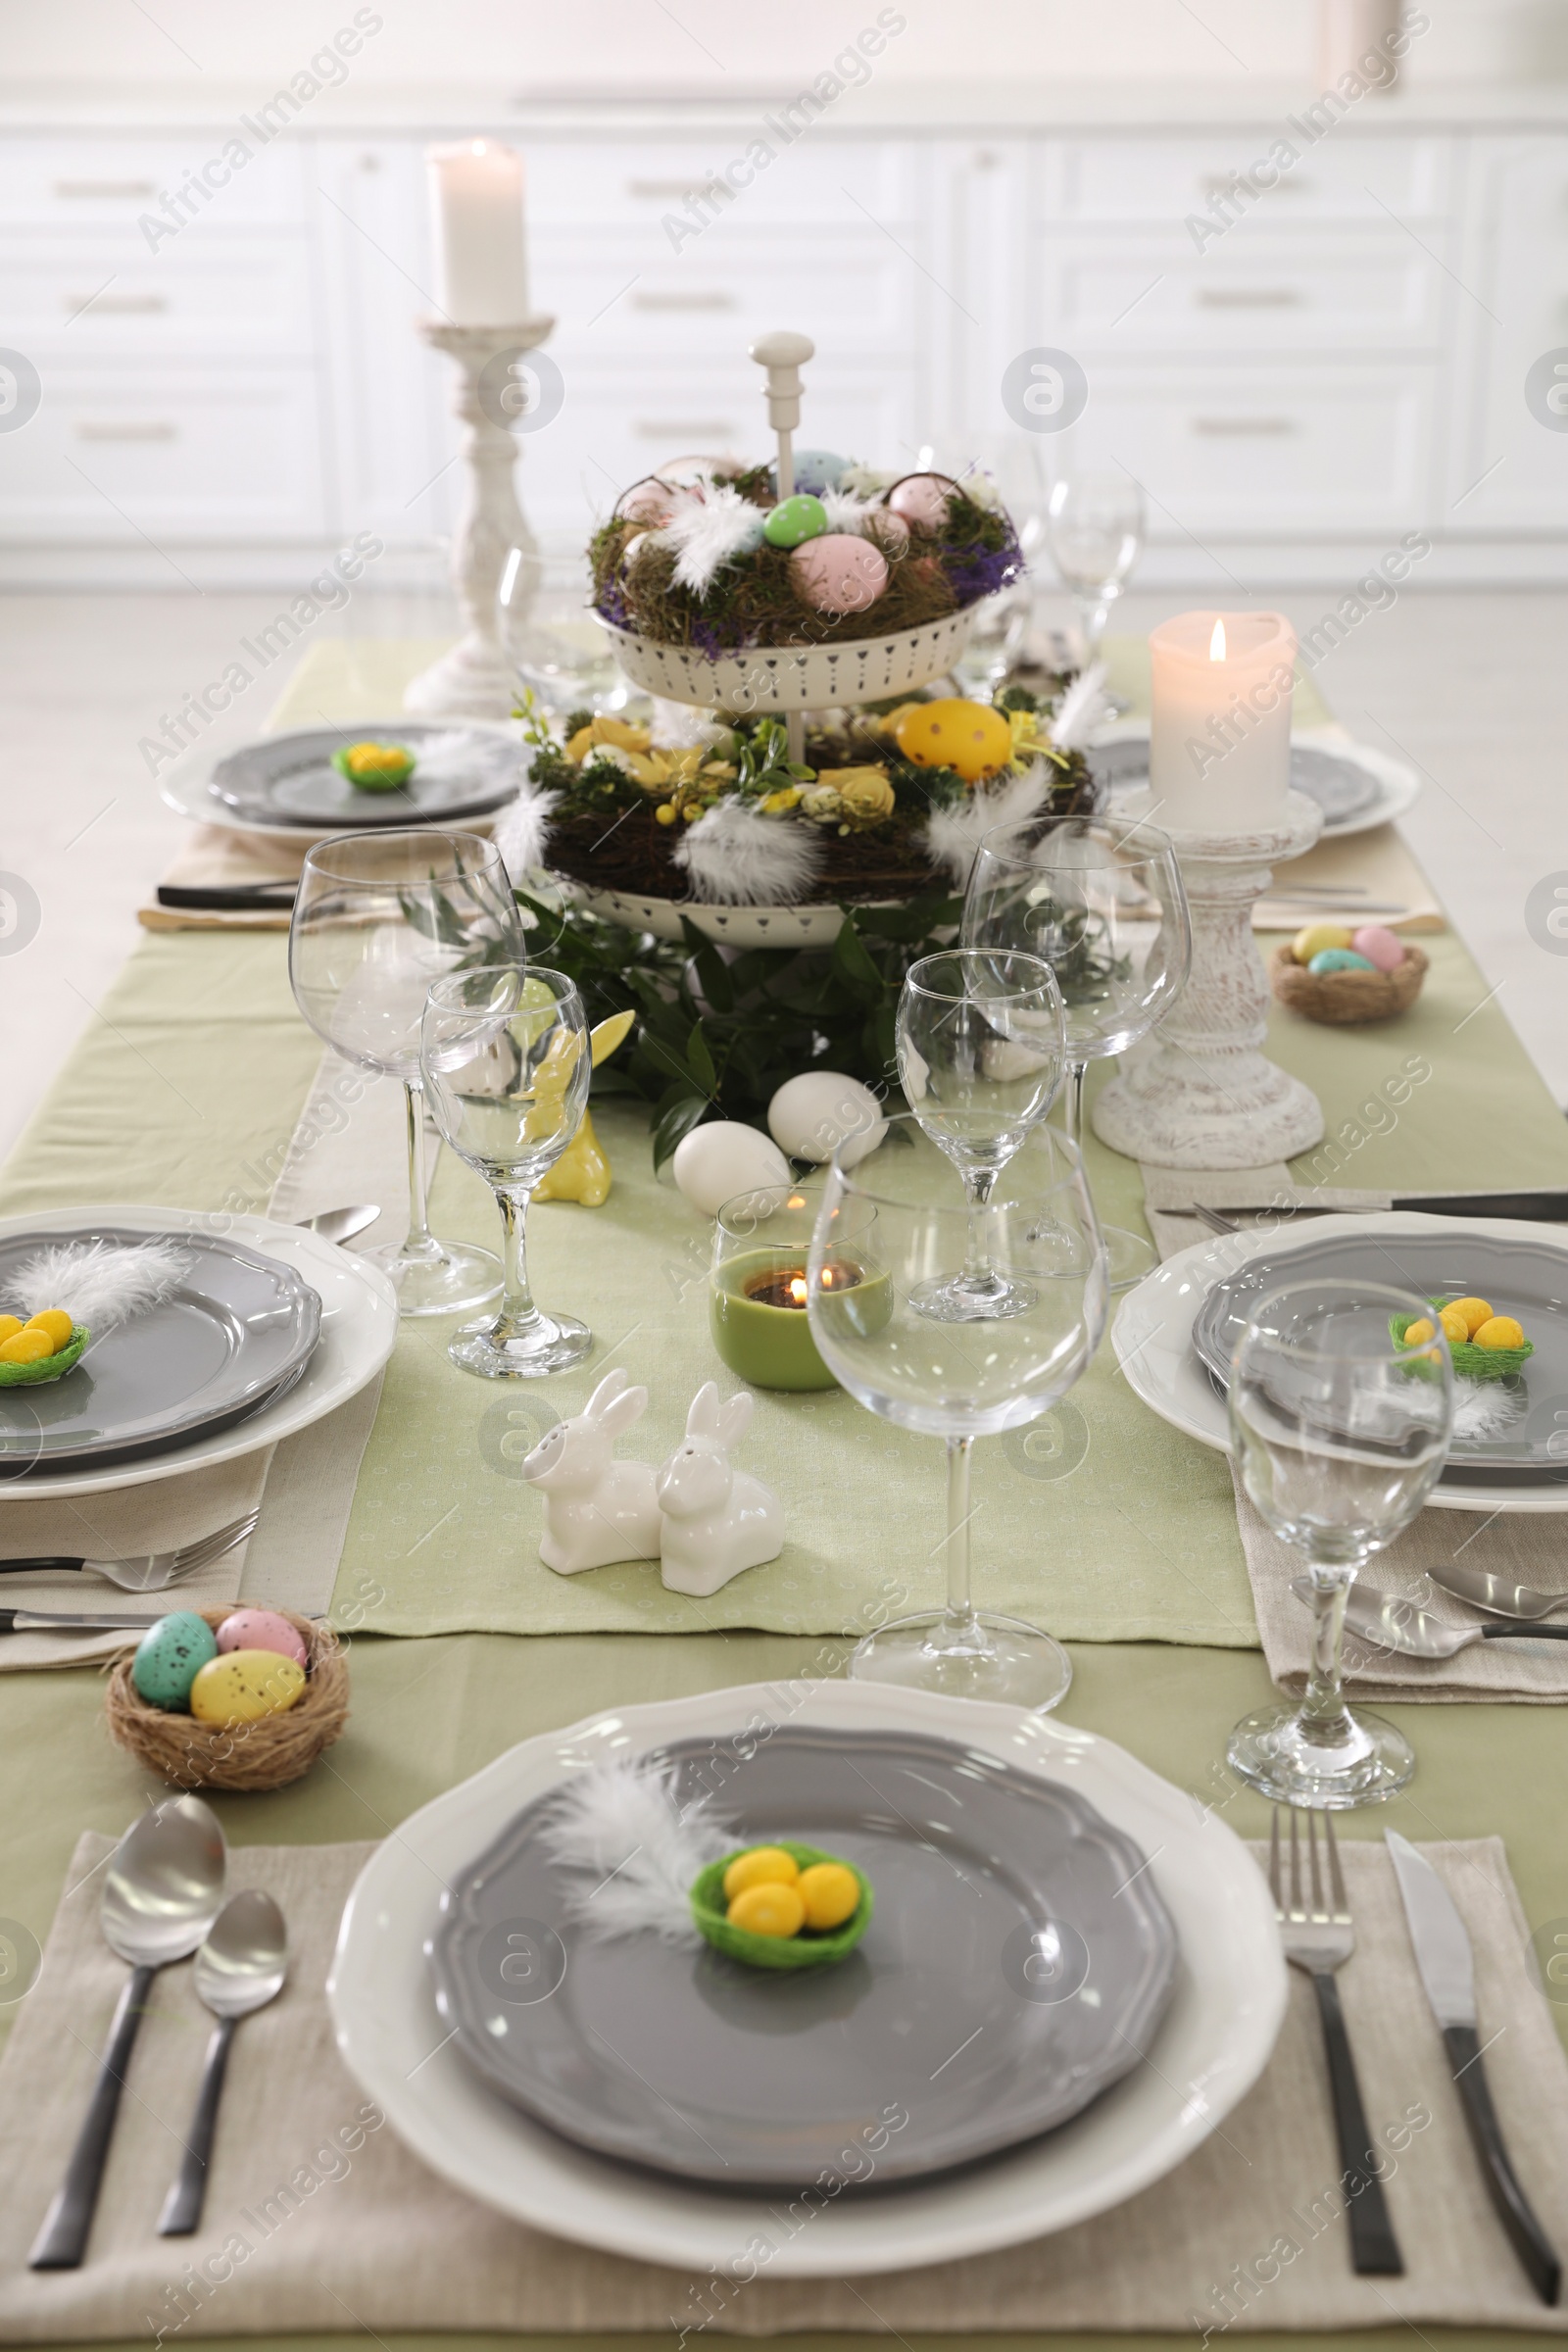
point(185, 1090)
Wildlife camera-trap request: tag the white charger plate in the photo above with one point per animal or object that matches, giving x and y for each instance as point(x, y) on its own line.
point(1153, 1336)
point(1209, 2048)
point(1398, 785)
point(359, 1327)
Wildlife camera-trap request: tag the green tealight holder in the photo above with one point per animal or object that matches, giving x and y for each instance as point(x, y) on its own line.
point(756, 1291)
point(48, 1367)
point(807, 1949)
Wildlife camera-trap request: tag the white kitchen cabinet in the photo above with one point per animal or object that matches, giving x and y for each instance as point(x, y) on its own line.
point(1351, 174)
point(1510, 469)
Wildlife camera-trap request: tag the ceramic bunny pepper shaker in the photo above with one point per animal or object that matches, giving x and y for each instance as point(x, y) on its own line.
point(596, 1509)
point(715, 1521)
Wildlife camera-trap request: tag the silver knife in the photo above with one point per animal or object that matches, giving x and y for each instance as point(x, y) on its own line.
point(1443, 1957)
point(1548, 1208)
point(61, 1621)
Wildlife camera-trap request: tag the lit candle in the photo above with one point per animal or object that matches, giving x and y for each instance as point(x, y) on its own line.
point(1219, 747)
point(756, 1313)
point(482, 266)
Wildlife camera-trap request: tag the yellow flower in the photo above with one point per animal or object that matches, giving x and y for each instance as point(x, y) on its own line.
point(603, 729)
point(777, 804)
point(865, 792)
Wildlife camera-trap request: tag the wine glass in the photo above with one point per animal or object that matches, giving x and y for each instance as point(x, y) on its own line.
point(1106, 908)
point(901, 1219)
point(507, 1064)
point(980, 1045)
point(1095, 531)
point(1005, 465)
point(1339, 1433)
point(377, 917)
point(558, 643)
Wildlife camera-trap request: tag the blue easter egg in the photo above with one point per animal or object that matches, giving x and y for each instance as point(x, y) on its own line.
point(820, 469)
point(795, 521)
point(1339, 959)
point(170, 1656)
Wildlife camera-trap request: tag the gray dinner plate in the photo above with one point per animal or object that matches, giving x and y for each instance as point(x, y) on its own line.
point(1341, 786)
point(290, 779)
point(237, 1332)
point(1017, 1964)
point(1525, 1278)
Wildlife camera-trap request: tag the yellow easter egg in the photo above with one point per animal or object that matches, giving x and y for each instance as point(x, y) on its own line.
point(831, 1893)
point(1315, 938)
point(1475, 1313)
point(763, 1866)
point(968, 737)
point(1417, 1332)
point(55, 1324)
point(10, 1325)
point(1455, 1330)
point(771, 1910)
point(26, 1348)
point(241, 1685)
point(1500, 1330)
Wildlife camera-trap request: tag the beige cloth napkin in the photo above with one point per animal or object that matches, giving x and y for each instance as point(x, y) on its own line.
point(1377, 864)
point(214, 858)
point(318, 2218)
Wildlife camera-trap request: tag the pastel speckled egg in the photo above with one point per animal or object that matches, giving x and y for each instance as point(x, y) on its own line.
point(820, 469)
point(244, 1686)
point(1339, 959)
point(169, 1657)
point(839, 574)
point(922, 499)
point(794, 520)
point(261, 1629)
point(1315, 937)
point(970, 737)
point(1379, 946)
point(646, 502)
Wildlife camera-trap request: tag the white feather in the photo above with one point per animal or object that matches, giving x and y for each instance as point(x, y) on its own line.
point(523, 831)
point(709, 532)
point(734, 857)
point(846, 511)
point(953, 835)
point(867, 481)
point(101, 1283)
point(1083, 709)
point(629, 1853)
point(1481, 1410)
point(682, 726)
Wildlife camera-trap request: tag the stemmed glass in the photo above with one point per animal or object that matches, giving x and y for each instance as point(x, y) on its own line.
point(980, 1043)
point(900, 1217)
point(507, 1064)
point(554, 635)
point(377, 917)
point(1095, 531)
point(1339, 1433)
point(1108, 912)
point(1000, 632)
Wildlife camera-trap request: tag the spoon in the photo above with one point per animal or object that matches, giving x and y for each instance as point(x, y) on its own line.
point(341, 1224)
point(1485, 1591)
point(1390, 1622)
point(240, 1966)
point(162, 1891)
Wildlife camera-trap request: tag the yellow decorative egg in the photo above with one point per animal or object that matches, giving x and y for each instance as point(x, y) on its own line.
point(1315, 938)
point(968, 737)
point(763, 1866)
point(1475, 1313)
point(55, 1324)
point(26, 1348)
point(831, 1893)
point(768, 1910)
point(1455, 1330)
point(10, 1325)
point(244, 1685)
point(1417, 1332)
point(1500, 1331)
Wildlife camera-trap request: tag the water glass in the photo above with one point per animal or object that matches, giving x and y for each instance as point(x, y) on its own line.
point(1095, 531)
point(552, 634)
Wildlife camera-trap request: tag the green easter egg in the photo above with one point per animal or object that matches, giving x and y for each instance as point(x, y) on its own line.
point(170, 1656)
point(794, 520)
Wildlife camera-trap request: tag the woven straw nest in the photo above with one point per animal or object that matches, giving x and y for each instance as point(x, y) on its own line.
point(1341, 998)
point(266, 1754)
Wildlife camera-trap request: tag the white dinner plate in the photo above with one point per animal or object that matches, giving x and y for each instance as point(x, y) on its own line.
point(359, 1326)
point(1153, 1336)
point(1210, 2046)
point(1396, 785)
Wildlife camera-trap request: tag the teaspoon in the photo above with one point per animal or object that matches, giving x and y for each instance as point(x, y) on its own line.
point(240, 1966)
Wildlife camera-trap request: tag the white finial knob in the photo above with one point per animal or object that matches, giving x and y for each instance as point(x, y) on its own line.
point(783, 355)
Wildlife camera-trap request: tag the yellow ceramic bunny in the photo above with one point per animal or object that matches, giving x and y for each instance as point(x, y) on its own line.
point(582, 1172)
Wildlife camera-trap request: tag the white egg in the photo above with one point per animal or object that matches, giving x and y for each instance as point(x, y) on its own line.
point(811, 1115)
point(714, 1163)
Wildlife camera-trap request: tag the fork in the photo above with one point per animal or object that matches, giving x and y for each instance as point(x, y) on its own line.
point(1318, 1940)
point(151, 1571)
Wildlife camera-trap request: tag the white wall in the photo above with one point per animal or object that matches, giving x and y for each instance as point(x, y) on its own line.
point(730, 46)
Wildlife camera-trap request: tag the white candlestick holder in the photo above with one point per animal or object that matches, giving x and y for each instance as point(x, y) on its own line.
point(474, 678)
point(1196, 1093)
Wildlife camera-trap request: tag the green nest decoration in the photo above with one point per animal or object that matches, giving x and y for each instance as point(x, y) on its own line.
point(807, 1949)
point(1469, 1361)
point(47, 1367)
point(389, 775)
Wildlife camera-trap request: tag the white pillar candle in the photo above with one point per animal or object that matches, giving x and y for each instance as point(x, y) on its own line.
point(1357, 37)
point(481, 265)
point(1219, 748)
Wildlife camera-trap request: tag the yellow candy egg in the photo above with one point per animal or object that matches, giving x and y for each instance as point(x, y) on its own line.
point(241, 1685)
point(1418, 1331)
point(1475, 1313)
point(1315, 938)
point(767, 1910)
point(763, 1866)
point(968, 737)
point(26, 1348)
point(1500, 1331)
point(831, 1893)
point(1455, 1330)
point(55, 1324)
point(10, 1325)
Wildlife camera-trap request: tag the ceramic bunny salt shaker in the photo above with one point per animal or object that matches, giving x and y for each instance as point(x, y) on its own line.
point(715, 1521)
point(596, 1509)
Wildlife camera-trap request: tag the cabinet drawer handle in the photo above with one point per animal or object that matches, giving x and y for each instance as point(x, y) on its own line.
point(126, 305)
point(676, 187)
point(1214, 185)
point(683, 302)
point(1246, 298)
point(88, 430)
point(676, 428)
point(1249, 427)
point(96, 188)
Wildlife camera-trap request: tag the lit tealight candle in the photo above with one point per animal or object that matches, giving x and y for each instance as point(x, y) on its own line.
point(1219, 748)
point(482, 268)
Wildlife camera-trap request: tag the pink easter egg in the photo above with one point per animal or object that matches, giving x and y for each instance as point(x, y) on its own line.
point(839, 574)
point(921, 498)
point(890, 532)
point(262, 1629)
point(1379, 946)
point(646, 502)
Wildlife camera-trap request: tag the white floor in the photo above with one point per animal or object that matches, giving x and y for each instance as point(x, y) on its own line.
point(1471, 689)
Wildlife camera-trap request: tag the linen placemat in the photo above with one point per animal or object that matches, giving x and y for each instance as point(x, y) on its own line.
point(317, 2217)
point(1376, 866)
